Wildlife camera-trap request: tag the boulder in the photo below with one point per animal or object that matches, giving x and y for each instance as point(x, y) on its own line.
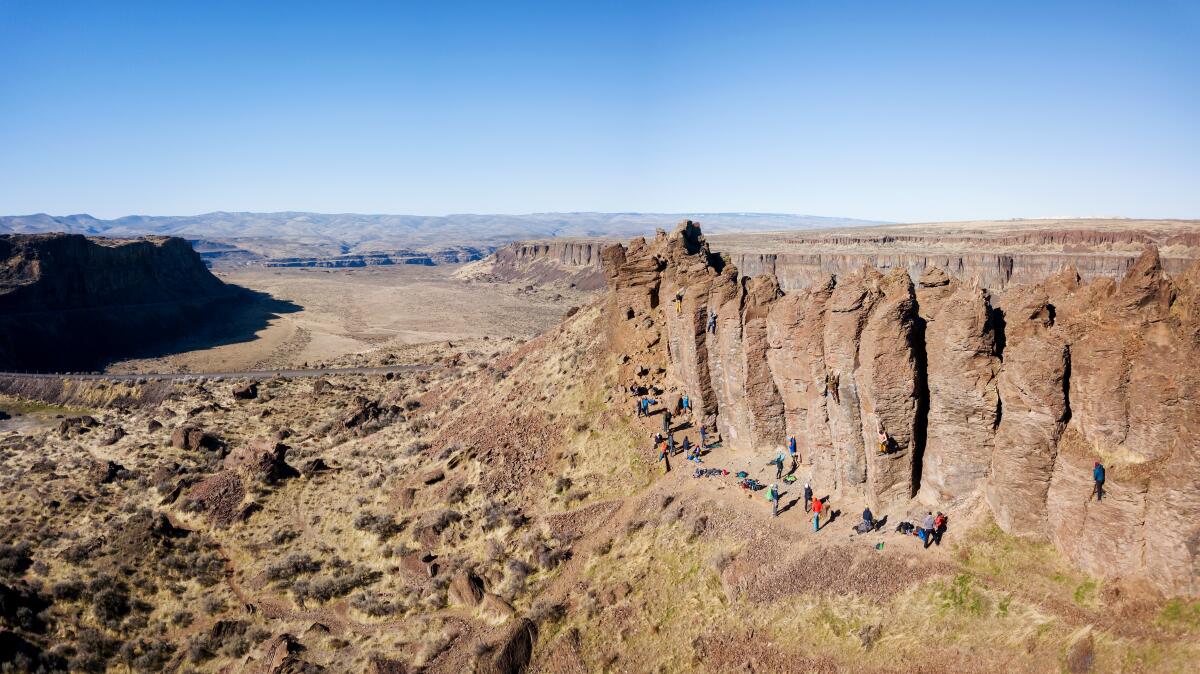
point(261, 460)
point(247, 391)
point(192, 439)
point(495, 609)
point(466, 589)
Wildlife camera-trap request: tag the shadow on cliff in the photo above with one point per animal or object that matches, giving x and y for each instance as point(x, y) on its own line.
point(91, 339)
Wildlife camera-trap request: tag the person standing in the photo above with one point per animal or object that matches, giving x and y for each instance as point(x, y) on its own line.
point(928, 526)
point(778, 463)
point(1098, 482)
point(666, 421)
point(773, 496)
point(807, 497)
point(703, 438)
point(817, 507)
point(664, 457)
point(939, 528)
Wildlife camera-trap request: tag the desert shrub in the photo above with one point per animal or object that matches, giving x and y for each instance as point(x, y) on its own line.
point(496, 514)
point(296, 564)
point(442, 519)
point(284, 536)
point(15, 559)
point(375, 605)
point(68, 590)
point(93, 651)
point(110, 606)
point(213, 605)
point(147, 656)
point(545, 610)
point(325, 588)
point(382, 525)
point(457, 494)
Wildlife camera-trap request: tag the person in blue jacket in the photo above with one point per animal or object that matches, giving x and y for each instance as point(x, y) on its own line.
point(1098, 479)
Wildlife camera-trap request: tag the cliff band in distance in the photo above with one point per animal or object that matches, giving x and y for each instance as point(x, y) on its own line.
point(1004, 407)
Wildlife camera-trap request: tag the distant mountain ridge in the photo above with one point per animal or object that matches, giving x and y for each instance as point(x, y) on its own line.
point(299, 234)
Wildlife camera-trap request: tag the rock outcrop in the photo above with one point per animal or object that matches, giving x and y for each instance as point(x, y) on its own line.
point(930, 396)
point(70, 302)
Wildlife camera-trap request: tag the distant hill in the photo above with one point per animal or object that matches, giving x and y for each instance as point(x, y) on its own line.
point(294, 234)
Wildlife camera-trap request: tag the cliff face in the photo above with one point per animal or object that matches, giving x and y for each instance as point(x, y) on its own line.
point(68, 302)
point(566, 261)
point(993, 260)
point(976, 405)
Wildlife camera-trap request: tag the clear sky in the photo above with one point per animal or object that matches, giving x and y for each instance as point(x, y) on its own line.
point(897, 110)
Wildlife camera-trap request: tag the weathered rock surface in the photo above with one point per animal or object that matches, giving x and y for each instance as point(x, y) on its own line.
point(1010, 405)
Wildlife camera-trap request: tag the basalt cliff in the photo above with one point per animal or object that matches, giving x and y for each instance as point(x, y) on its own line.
point(995, 255)
point(70, 302)
point(980, 403)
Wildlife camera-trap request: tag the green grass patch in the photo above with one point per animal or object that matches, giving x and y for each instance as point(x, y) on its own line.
point(1180, 613)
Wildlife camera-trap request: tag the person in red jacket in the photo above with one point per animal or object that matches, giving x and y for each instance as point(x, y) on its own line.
point(817, 506)
point(939, 527)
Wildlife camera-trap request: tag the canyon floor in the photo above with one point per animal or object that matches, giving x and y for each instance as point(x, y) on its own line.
point(339, 314)
point(502, 511)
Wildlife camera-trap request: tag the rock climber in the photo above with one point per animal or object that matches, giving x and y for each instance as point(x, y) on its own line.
point(792, 451)
point(679, 303)
point(773, 497)
point(884, 441)
point(927, 527)
point(817, 507)
point(1098, 482)
point(807, 497)
point(712, 322)
point(686, 403)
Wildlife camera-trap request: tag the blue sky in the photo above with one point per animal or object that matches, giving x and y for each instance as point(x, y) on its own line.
point(889, 110)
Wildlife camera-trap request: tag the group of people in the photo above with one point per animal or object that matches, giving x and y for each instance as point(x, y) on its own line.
point(930, 531)
point(932, 526)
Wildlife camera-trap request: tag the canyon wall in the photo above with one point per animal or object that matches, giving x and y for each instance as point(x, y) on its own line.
point(799, 260)
point(996, 271)
point(976, 406)
point(69, 302)
point(569, 261)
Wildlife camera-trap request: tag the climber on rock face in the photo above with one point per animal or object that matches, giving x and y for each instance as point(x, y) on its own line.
point(792, 451)
point(679, 303)
point(712, 322)
point(1098, 482)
